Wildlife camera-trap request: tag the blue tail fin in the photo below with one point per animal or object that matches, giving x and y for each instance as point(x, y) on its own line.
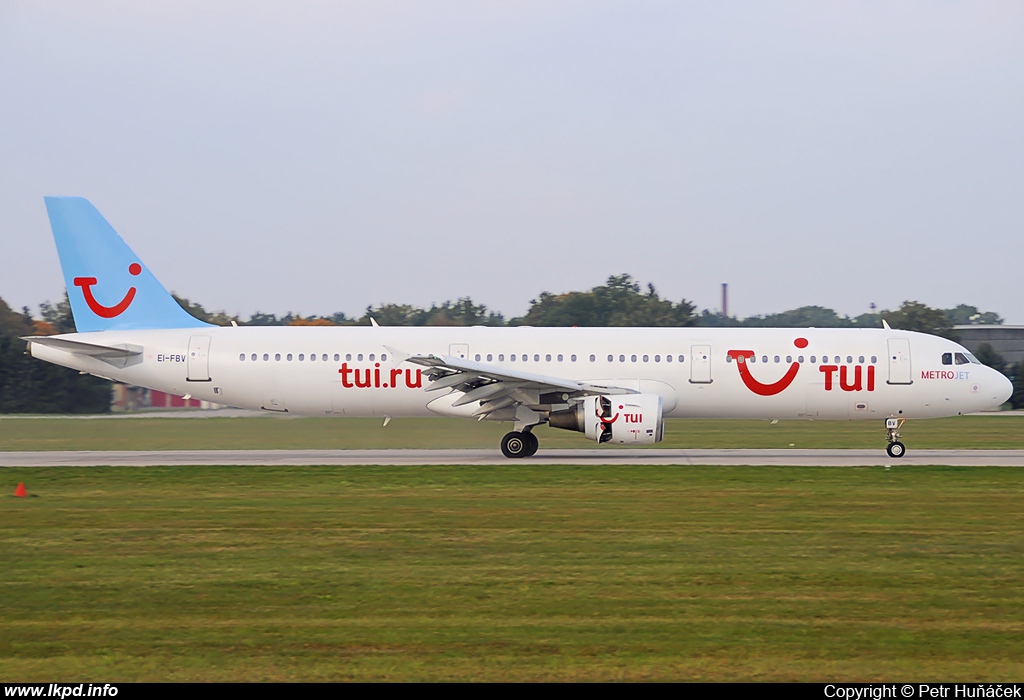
point(109, 287)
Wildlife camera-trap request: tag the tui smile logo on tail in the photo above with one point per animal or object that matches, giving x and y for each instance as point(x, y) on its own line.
point(760, 388)
point(99, 309)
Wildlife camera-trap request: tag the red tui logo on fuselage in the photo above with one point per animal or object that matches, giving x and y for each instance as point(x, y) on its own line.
point(759, 388)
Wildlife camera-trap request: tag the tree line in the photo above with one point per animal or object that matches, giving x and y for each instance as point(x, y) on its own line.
point(31, 386)
point(28, 385)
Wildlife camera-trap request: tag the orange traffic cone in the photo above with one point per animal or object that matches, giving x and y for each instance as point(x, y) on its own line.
point(20, 492)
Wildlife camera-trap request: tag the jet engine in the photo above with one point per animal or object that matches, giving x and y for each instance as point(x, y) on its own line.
point(625, 419)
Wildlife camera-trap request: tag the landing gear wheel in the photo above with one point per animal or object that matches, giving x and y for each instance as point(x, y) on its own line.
point(892, 430)
point(516, 444)
point(532, 443)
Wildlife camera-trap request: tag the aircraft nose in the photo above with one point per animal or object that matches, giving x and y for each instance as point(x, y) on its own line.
point(1005, 389)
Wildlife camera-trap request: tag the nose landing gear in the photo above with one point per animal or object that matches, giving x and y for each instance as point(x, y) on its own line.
point(895, 449)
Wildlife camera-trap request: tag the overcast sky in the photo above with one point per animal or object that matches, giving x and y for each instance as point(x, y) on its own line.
point(325, 156)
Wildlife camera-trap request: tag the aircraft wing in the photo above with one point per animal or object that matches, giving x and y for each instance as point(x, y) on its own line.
point(497, 388)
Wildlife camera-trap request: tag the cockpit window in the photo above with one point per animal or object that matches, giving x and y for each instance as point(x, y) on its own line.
point(947, 358)
point(965, 358)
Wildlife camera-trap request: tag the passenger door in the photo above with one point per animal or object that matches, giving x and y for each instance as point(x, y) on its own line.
point(198, 358)
point(899, 361)
point(700, 364)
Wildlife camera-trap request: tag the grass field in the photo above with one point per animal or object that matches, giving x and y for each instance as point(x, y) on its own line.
point(978, 432)
point(516, 572)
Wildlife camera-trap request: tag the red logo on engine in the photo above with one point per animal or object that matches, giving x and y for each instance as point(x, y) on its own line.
point(759, 388)
point(99, 309)
point(606, 422)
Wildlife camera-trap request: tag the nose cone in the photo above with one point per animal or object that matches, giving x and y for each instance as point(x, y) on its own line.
point(1004, 388)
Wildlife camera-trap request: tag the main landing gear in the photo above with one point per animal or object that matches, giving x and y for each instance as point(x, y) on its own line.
point(519, 444)
point(896, 449)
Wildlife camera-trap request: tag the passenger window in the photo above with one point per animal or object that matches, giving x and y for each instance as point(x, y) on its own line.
point(359, 357)
point(477, 357)
point(728, 358)
point(302, 357)
point(753, 359)
point(512, 358)
point(849, 359)
point(593, 358)
point(312, 357)
point(800, 359)
point(266, 356)
point(501, 357)
point(242, 357)
point(547, 358)
point(632, 358)
point(572, 358)
point(860, 360)
point(490, 357)
point(277, 357)
point(789, 358)
point(813, 360)
point(622, 358)
point(874, 359)
point(383, 357)
point(337, 357)
point(657, 358)
point(682, 358)
point(348, 357)
point(536, 358)
point(289, 357)
point(778, 359)
point(610, 358)
point(560, 358)
point(668, 358)
point(254, 357)
point(646, 358)
point(764, 359)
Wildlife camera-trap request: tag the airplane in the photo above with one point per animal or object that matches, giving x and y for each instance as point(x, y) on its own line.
point(615, 385)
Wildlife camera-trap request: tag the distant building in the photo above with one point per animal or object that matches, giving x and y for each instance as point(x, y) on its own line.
point(1008, 341)
point(136, 398)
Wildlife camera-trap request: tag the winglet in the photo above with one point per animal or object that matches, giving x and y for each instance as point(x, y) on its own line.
point(885, 325)
point(398, 355)
point(108, 286)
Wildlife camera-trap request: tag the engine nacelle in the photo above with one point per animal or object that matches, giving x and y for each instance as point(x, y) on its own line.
point(625, 419)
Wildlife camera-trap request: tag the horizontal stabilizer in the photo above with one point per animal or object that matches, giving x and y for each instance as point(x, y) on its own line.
point(117, 355)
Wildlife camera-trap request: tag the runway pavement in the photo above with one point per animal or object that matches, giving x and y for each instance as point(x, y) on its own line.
point(799, 458)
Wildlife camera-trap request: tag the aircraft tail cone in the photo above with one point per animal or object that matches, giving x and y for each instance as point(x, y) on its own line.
point(20, 492)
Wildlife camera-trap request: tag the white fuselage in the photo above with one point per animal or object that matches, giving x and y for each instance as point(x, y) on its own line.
point(823, 374)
